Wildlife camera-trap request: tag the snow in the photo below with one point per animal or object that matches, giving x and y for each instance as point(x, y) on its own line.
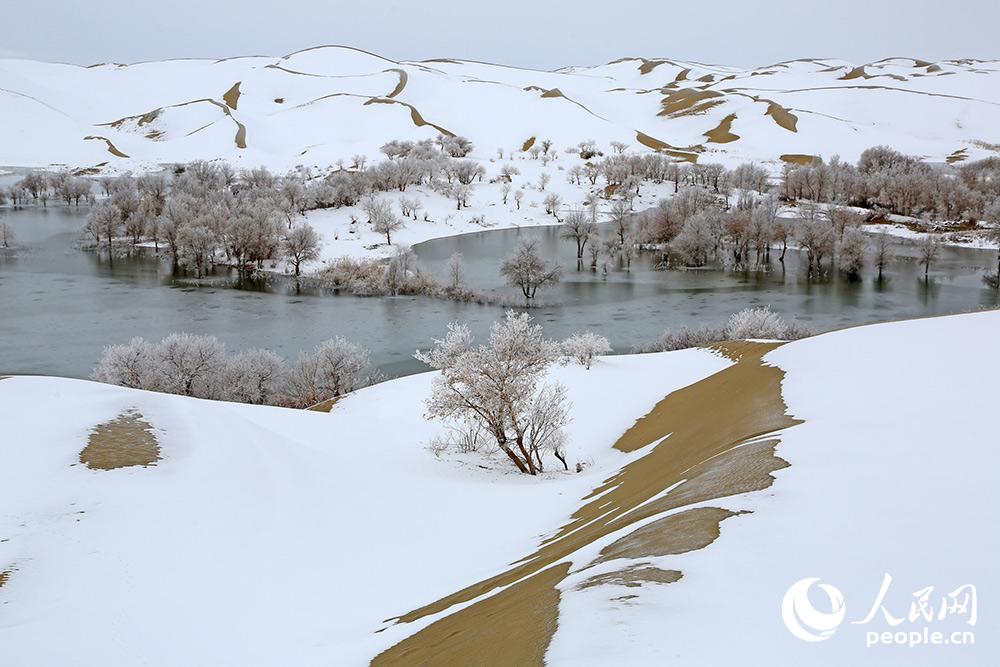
point(271, 536)
point(485, 203)
point(892, 472)
point(268, 536)
point(319, 105)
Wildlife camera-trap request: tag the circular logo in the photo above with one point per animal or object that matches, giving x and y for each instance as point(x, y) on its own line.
point(805, 621)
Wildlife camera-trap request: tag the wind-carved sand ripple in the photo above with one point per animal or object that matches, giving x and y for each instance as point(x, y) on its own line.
point(713, 439)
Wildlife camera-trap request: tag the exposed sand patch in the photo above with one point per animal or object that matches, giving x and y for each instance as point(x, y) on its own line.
point(687, 102)
point(958, 156)
point(782, 116)
point(415, 116)
point(799, 158)
point(648, 66)
point(325, 406)
point(675, 534)
point(150, 116)
point(403, 78)
point(513, 627)
point(111, 147)
point(688, 155)
point(632, 577)
point(232, 96)
point(127, 440)
point(703, 437)
point(856, 73)
point(721, 133)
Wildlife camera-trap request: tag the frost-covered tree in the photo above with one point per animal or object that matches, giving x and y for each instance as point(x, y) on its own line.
point(334, 368)
point(191, 365)
point(695, 241)
point(578, 227)
point(455, 277)
point(853, 249)
point(756, 323)
point(498, 386)
point(253, 376)
point(104, 223)
point(518, 198)
point(299, 245)
point(583, 347)
point(527, 271)
point(196, 244)
point(135, 364)
point(382, 219)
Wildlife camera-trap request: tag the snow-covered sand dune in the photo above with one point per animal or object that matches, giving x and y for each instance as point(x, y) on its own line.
point(266, 536)
point(322, 104)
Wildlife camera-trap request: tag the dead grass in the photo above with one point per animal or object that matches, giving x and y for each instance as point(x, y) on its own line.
point(528, 143)
point(125, 441)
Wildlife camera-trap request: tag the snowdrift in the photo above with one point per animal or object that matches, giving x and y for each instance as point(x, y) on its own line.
point(319, 105)
point(717, 479)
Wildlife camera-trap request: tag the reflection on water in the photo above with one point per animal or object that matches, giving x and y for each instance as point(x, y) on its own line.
point(61, 306)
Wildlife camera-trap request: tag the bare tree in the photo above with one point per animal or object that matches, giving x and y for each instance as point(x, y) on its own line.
point(929, 248)
point(300, 244)
point(6, 235)
point(881, 252)
point(578, 227)
point(620, 212)
point(527, 271)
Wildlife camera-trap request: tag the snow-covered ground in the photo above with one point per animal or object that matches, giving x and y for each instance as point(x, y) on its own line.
point(320, 105)
point(268, 536)
point(486, 209)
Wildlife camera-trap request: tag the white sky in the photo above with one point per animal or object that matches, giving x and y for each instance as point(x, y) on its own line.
point(529, 33)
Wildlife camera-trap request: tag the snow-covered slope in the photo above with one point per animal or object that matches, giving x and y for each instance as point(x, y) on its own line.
point(270, 536)
point(319, 105)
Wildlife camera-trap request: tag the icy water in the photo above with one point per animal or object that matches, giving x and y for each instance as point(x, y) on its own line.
point(60, 306)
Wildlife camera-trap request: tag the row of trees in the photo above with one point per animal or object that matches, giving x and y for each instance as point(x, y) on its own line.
point(886, 180)
point(198, 366)
point(39, 188)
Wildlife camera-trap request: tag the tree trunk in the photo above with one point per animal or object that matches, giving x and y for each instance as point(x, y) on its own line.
point(513, 457)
